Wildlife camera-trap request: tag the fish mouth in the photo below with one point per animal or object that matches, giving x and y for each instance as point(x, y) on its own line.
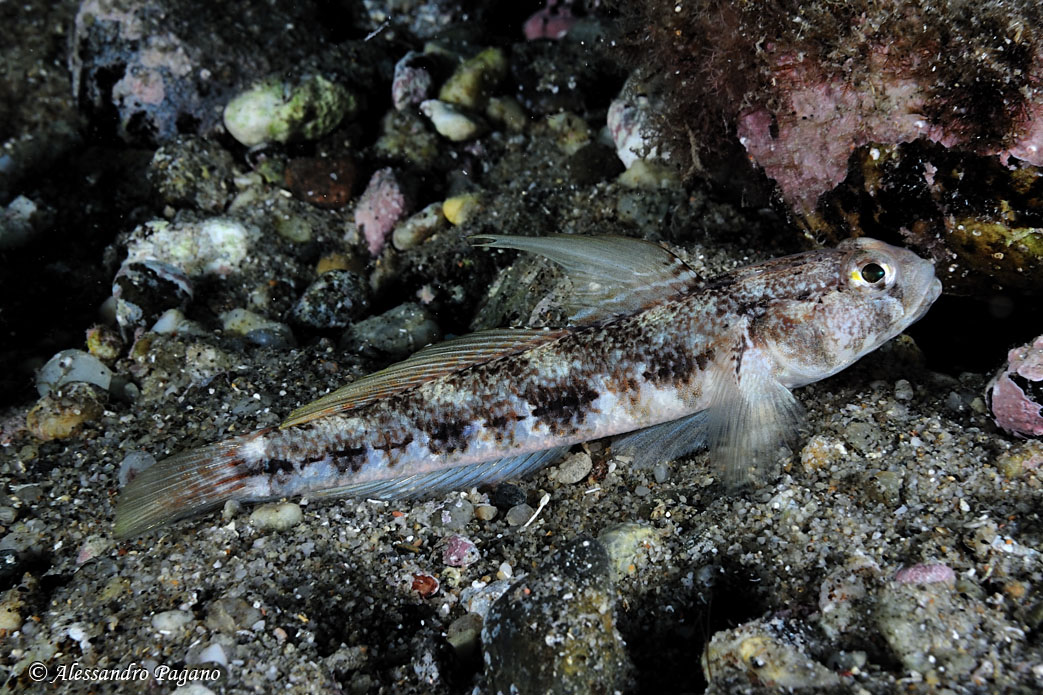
point(928, 298)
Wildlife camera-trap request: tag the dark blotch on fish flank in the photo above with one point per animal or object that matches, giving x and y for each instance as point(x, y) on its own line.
point(671, 366)
point(274, 466)
point(353, 457)
point(447, 436)
point(704, 358)
point(559, 404)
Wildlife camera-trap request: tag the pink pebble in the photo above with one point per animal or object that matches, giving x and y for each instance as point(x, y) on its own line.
point(552, 22)
point(380, 207)
point(1015, 409)
point(459, 552)
point(925, 574)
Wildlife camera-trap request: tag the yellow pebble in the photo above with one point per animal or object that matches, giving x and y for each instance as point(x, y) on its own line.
point(458, 208)
point(333, 261)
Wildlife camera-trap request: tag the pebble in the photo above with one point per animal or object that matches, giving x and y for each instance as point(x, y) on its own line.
point(277, 517)
point(661, 472)
point(192, 171)
point(451, 122)
point(144, 290)
point(763, 652)
point(384, 202)
point(293, 228)
point(21, 222)
point(258, 329)
point(213, 654)
point(215, 246)
point(630, 122)
point(395, 333)
point(133, 463)
point(918, 622)
point(334, 300)
point(412, 82)
point(418, 227)
point(473, 81)
point(571, 132)
point(104, 343)
point(1014, 395)
point(574, 469)
point(925, 574)
point(457, 513)
point(627, 546)
point(507, 495)
point(903, 390)
point(462, 634)
point(69, 366)
point(425, 585)
point(649, 175)
point(459, 209)
point(325, 182)
point(10, 612)
point(276, 111)
point(174, 322)
point(169, 622)
point(230, 614)
point(507, 112)
point(554, 631)
point(59, 416)
point(406, 139)
point(459, 551)
point(519, 515)
point(486, 512)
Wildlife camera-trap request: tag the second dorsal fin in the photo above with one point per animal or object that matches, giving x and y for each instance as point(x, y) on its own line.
point(430, 363)
point(611, 275)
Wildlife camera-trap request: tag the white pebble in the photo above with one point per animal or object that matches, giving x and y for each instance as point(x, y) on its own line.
point(168, 622)
point(215, 654)
point(451, 122)
point(277, 517)
point(574, 469)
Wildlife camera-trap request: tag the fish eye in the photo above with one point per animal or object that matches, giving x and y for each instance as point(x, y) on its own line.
point(873, 273)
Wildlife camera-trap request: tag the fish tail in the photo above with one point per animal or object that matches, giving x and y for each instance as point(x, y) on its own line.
point(187, 483)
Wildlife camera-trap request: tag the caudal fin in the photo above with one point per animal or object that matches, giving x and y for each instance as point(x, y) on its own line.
point(185, 484)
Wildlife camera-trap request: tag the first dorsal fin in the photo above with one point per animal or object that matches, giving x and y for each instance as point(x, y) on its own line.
point(430, 363)
point(611, 275)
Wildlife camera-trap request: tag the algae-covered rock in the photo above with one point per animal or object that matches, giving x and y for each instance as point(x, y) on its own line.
point(192, 171)
point(769, 653)
point(555, 631)
point(276, 110)
point(919, 622)
point(60, 415)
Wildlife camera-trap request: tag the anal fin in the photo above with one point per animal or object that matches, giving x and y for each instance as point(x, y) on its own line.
point(664, 442)
point(451, 478)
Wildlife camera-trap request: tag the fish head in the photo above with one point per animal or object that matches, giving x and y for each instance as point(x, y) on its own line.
point(862, 294)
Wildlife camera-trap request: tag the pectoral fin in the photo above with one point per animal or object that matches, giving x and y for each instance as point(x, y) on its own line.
point(752, 417)
point(611, 275)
